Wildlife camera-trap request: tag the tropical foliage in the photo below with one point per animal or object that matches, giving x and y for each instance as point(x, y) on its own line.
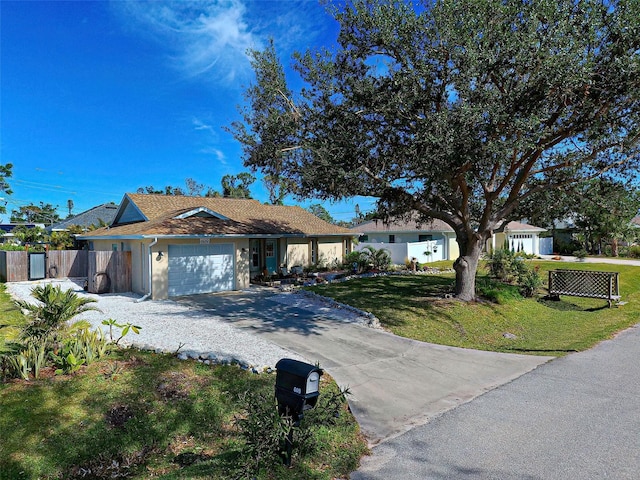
point(48, 338)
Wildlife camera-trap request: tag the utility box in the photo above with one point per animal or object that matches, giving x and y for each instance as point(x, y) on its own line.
point(297, 386)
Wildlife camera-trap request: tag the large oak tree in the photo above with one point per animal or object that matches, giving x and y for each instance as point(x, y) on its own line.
point(456, 110)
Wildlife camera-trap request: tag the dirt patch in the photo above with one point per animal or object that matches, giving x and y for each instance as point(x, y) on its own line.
point(105, 467)
point(177, 385)
point(119, 415)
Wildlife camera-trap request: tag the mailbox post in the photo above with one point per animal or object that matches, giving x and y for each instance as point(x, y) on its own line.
point(297, 390)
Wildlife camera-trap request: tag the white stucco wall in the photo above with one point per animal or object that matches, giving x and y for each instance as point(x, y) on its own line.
point(330, 249)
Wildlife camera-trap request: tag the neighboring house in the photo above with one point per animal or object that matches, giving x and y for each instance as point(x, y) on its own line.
point(409, 239)
point(6, 231)
point(94, 217)
point(520, 237)
point(412, 239)
point(183, 245)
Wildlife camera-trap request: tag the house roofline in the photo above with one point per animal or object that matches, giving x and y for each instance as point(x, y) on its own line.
point(229, 236)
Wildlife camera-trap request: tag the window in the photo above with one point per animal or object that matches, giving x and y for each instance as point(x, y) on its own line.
point(392, 239)
point(255, 256)
point(364, 238)
point(425, 238)
point(314, 251)
point(270, 250)
point(114, 247)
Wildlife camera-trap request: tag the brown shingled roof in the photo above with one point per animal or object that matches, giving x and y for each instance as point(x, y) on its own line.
point(243, 217)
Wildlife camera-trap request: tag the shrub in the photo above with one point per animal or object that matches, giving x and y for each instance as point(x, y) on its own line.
point(530, 281)
point(508, 266)
point(46, 335)
point(634, 251)
point(502, 264)
point(580, 254)
point(377, 259)
point(81, 347)
point(54, 308)
point(357, 258)
point(265, 431)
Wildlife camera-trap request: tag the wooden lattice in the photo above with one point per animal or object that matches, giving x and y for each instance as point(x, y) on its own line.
point(580, 283)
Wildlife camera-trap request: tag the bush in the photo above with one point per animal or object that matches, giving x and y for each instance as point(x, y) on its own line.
point(265, 432)
point(46, 336)
point(530, 281)
point(634, 251)
point(357, 258)
point(502, 264)
point(580, 253)
point(377, 259)
point(508, 266)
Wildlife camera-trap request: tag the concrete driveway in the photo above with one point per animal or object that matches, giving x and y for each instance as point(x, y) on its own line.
point(395, 383)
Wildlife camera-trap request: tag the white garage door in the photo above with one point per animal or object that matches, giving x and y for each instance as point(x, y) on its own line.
point(522, 243)
point(200, 269)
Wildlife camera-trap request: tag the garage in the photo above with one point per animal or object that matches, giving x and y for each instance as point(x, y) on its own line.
point(521, 243)
point(197, 269)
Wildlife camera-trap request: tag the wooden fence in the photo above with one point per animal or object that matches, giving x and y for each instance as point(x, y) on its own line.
point(14, 266)
point(106, 272)
point(67, 263)
point(109, 272)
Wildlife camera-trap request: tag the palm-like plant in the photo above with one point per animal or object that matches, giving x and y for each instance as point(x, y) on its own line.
point(54, 308)
point(378, 259)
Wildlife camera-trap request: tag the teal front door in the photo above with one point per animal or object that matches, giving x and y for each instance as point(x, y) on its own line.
point(271, 256)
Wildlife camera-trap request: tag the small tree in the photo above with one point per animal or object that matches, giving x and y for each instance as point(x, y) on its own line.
point(60, 240)
point(42, 213)
point(29, 235)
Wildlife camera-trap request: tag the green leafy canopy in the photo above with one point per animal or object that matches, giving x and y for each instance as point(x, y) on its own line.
point(456, 110)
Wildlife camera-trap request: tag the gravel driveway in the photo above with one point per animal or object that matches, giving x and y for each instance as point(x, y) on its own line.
point(168, 325)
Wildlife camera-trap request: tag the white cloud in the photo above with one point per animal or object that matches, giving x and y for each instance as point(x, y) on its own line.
point(217, 153)
point(200, 125)
point(202, 37)
point(211, 38)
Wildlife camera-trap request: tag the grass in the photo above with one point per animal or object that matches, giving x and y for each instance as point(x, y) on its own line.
point(412, 306)
point(140, 415)
point(10, 317)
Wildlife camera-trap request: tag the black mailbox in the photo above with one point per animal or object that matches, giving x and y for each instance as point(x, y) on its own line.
point(297, 386)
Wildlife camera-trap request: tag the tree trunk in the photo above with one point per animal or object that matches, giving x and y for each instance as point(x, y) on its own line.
point(614, 247)
point(466, 267)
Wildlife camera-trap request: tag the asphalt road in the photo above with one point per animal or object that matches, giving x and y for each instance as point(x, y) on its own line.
point(577, 417)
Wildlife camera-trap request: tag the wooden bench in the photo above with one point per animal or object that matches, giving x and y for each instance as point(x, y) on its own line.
point(581, 283)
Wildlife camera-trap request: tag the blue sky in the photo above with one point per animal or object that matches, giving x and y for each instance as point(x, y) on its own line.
point(100, 98)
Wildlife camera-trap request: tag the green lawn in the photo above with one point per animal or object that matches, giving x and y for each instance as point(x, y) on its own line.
point(140, 415)
point(409, 306)
point(9, 316)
